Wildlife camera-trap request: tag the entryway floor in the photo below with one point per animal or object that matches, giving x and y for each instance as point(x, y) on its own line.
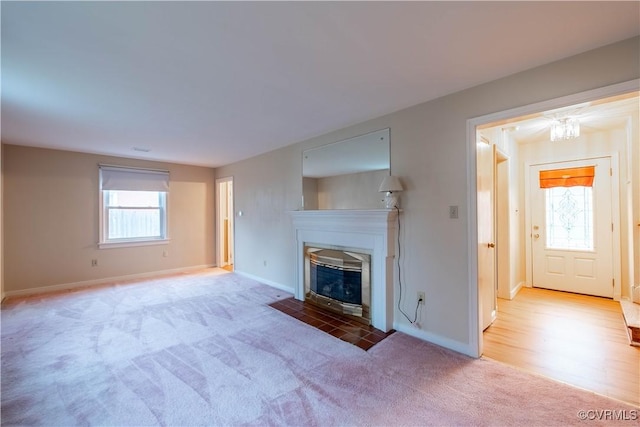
point(577, 339)
point(348, 330)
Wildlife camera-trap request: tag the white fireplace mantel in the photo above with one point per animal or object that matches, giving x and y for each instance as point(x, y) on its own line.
point(373, 230)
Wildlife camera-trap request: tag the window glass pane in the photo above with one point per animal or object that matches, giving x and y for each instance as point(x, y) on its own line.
point(132, 223)
point(134, 215)
point(569, 218)
point(133, 199)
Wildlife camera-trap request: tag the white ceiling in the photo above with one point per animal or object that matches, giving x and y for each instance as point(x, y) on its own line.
point(210, 83)
point(598, 116)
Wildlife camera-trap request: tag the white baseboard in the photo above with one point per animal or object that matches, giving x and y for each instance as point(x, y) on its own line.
point(515, 290)
point(458, 346)
point(276, 285)
point(96, 282)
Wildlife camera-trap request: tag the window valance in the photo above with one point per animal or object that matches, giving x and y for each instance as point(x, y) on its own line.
point(571, 177)
point(133, 179)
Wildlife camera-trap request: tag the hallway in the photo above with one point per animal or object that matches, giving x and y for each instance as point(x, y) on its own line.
point(577, 339)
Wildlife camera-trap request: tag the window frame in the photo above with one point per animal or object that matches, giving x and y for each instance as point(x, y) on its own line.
point(103, 218)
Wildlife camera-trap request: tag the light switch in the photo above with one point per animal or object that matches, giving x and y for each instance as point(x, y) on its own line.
point(453, 212)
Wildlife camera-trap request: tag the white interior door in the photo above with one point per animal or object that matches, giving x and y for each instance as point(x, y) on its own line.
point(486, 233)
point(572, 231)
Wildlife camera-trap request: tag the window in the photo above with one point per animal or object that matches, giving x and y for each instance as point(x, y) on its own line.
point(133, 206)
point(569, 218)
point(569, 207)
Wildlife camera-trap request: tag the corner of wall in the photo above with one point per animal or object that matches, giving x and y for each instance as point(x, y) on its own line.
point(1, 232)
point(515, 290)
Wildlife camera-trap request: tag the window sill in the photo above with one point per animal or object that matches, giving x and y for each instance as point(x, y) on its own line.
point(113, 245)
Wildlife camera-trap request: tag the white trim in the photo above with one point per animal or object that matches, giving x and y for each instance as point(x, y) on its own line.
point(514, 291)
point(617, 226)
point(104, 243)
point(475, 324)
point(273, 284)
point(458, 346)
point(113, 245)
point(96, 282)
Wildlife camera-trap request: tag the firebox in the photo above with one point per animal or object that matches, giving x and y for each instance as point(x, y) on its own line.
point(338, 279)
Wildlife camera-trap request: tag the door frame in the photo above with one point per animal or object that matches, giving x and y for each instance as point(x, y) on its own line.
point(474, 320)
point(219, 221)
point(615, 217)
point(503, 237)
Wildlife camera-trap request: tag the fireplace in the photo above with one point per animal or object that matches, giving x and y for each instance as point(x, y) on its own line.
point(362, 232)
point(338, 279)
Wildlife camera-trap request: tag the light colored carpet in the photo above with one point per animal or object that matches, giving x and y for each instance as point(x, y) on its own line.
point(205, 349)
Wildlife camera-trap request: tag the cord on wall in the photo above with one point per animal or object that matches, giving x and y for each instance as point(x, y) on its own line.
point(415, 317)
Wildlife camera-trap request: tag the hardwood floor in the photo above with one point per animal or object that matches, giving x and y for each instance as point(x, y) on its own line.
point(577, 339)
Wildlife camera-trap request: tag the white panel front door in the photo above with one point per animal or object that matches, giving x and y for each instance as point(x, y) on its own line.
point(571, 232)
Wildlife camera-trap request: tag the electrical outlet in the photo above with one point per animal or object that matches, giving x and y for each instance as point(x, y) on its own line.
point(94, 263)
point(421, 298)
point(453, 212)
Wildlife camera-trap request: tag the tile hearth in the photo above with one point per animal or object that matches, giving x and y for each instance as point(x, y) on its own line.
point(341, 327)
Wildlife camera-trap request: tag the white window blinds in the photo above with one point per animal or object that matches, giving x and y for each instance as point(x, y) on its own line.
point(132, 179)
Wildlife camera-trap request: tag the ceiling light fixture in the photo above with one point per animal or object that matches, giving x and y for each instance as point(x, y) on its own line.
point(565, 128)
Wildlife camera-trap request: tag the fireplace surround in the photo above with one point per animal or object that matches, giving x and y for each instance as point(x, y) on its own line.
point(370, 231)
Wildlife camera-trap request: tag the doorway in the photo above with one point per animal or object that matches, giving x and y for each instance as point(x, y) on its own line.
point(500, 127)
point(224, 223)
point(524, 259)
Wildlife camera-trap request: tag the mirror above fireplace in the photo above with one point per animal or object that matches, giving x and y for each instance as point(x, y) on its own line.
point(346, 174)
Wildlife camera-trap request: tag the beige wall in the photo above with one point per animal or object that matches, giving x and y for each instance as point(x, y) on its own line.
point(1, 234)
point(351, 191)
point(51, 220)
point(310, 193)
point(429, 153)
point(265, 188)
